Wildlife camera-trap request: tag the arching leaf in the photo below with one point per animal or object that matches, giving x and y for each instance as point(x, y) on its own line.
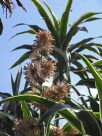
point(21, 59)
point(64, 20)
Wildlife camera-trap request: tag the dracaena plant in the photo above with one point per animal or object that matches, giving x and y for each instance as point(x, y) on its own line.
point(52, 55)
point(64, 52)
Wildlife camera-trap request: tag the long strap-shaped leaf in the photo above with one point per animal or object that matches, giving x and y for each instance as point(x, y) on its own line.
point(67, 114)
point(25, 110)
point(98, 80)
point(74, 28)
point(65, 111)
point(64, 19)
point(90, 123)
point(21, 59)
point(31, 31)
point(3, 133)
point(47, 19)
point(55, 22)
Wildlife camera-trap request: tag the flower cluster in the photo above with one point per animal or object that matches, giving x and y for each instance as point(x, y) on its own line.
point(74, 133)
point(26, 127)
point(57, 131)
point(43, 43)
point(57, 92)
point(40, 66)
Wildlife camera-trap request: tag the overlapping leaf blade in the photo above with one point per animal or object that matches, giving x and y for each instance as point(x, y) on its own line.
point(47, 20)
point(74, 28)
point(25, 46)
point(55, 22)
point(21, 59)
point(65, 113)
point(98, 80)
point(90, 123)
point(25, 109)
point(24, 32)
point(64, 20)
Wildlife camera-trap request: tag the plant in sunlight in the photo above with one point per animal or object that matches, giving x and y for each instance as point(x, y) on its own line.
point(43, 110)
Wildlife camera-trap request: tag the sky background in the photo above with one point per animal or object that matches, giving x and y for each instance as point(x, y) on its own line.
point(7, 58)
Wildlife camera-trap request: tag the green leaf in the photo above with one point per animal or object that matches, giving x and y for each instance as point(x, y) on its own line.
point(74, 28)
point(90, 123)
point(81, 43)
point(64, 20)
point(100, 50)
point(25, 109)
point(97, 63)
point(90, 82)
point(64, 110)
point(24, 32)
point(3, 133)
point(21, 5)
point(74, 123)
point(26, 90)
point(28, 97)
point(98, 80)
point(56, 25)
point(86, 47)
point(92, 19)
point(1, 27)
point(36, 28)
point(3, 114)
point(4, 95)
point(93, 104)
point(17, 82)
point(25, 46)
point(84, 17)
point(54, 110)
point(13, 84)
point(47, 20)
point(21, 59)
point(67, 127)
point(44, 102)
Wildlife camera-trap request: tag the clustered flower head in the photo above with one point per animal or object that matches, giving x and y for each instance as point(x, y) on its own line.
point(26, 127)
point(43, 67)
point(40, 66)
point(48, 68)
point(74, 132)
point(57, 92)
point(43, 43)
point(57, 131)
point(32, 73)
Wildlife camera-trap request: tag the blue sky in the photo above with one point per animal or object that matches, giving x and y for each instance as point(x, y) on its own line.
point(7, 58)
